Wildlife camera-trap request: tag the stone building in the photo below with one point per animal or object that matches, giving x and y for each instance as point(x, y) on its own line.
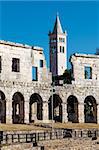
point(25, 85)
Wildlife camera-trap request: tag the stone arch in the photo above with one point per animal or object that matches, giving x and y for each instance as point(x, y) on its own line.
point(18, 108)
point(72, 109)
point(90, 109)
point(2, 108)
point(57, 108)
point(35, 111)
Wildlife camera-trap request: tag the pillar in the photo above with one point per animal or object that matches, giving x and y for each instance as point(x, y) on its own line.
point(65, 114)
point(81, 112)
point(8, 111)
point(98, 113)
point(45, 111)
point(26, 110)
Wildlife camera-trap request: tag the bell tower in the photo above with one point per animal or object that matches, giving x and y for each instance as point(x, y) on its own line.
point(58, 49)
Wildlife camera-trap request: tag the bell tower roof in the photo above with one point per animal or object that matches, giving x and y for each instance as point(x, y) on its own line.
point(57, 26)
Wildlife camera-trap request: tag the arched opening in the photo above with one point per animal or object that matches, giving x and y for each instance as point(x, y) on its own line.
point(90, 110)
point(2, 108)
point(35, 107)
point(18, 108)
point(72, 109)
point(57, 108)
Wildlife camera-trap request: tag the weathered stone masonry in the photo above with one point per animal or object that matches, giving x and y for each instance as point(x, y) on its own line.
point(18, 89)
point(25, 83)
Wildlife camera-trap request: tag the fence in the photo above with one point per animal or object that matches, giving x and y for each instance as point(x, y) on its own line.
point(33, 137)
point(6, 138)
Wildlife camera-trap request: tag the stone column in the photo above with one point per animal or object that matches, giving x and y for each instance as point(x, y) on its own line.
point(26, 110)
point(65, 114)
point(8, 111)
point(98, 113)
point(45, 111)
point(81, 112)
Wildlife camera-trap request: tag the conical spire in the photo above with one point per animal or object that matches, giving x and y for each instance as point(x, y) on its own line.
point(57, 26)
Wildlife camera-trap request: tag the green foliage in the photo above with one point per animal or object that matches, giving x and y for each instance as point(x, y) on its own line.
point(68, 76)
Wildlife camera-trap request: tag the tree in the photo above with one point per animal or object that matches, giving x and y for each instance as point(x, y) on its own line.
point(68, 76)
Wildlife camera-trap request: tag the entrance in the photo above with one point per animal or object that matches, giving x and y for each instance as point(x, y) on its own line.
point(57, 108)
point(72, 109)
point(18, 108)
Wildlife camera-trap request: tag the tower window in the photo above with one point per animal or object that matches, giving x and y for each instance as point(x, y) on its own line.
point(88, 72)
point(0, 65)
point(53, 40)
point(15, 65)
point(53, 49)
point(41, 63)
point(61, 40)
point(62, 49)
point(34, 73)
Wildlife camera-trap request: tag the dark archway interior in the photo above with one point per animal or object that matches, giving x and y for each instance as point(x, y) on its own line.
point(72, 109)
point(36, 98)
point(57, 108)
point(18, 108)
point(2, 108)
point(90, 110)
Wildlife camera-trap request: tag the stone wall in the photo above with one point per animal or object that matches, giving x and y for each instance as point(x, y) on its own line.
point(13, 82)
point(44, 90)
point(9, 51)
point(29, 56)
point(79, 62)
point(26, 89)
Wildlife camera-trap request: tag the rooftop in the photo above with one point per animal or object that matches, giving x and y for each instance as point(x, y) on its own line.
point(20, 45)
point(86, 55)
point(57, 26)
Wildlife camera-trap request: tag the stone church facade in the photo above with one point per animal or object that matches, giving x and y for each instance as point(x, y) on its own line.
point(26, 92)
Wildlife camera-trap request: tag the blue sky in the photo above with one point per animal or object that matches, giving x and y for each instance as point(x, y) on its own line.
point(30, 21)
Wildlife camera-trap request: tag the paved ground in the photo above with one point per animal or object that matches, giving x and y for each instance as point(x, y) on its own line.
point(19, 127)
point(71, 144)
point(76, 125)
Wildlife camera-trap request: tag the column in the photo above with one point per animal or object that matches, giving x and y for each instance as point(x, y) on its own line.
point(9, 111)
point(65, 114)
point(98, 113)
point(81, 112)
point(45, 111)
point(26, 110)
